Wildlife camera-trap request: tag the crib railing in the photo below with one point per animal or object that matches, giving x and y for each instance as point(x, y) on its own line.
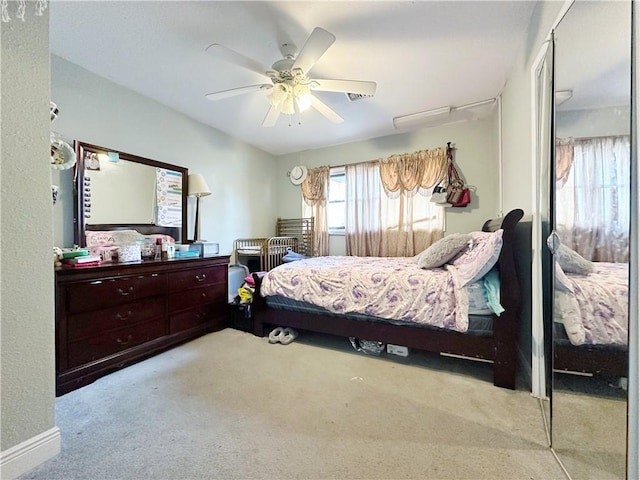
point(263, 253)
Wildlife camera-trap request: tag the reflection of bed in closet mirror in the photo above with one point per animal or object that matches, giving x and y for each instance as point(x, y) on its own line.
point(592, 78)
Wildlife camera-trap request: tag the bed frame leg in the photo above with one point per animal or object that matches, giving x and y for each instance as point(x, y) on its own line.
point(258, 327)
point(505, 366)
point(257, 307)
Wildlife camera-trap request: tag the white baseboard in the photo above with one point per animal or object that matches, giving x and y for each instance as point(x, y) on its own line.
point(29, 454)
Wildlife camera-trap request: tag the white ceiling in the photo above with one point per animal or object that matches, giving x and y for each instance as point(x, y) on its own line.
point(422, 55)
point(593, 55)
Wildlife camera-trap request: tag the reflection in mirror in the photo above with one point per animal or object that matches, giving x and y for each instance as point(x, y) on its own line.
point(117, 188)
point(592, 77)
point(543, 113)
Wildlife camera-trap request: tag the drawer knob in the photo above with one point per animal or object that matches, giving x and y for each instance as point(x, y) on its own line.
point(125, 316)
point(126, 292)
point(201, 278)
point(122, 342)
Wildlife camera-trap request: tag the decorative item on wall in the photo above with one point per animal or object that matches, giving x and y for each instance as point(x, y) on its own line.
point(439, 196)
point(168, 198)
point(198, 188)
point(298, 174)
point(21, 9)
point(86, 199)
point(458, 193)
point(63, 156)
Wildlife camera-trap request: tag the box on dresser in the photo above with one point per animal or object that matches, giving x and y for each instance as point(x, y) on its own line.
point(205, 249)
point(112, 315)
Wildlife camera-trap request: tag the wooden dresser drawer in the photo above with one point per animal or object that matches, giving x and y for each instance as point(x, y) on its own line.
point(191, 318)
point(113, 315)
point(215, 294)
point(197, 277)
point(107, 292)
point(95, 323)
point(95, 348)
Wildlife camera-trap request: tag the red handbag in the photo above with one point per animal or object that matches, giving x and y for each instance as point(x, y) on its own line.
point(458, 194)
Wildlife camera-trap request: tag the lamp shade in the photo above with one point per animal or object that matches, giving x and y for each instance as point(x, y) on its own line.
point(198, 186)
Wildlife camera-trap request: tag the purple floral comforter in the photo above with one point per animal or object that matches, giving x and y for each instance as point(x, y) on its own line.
point(596, 313)
point(392, 288)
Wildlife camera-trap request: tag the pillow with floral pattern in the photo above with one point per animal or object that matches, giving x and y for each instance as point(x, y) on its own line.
point(474, 262)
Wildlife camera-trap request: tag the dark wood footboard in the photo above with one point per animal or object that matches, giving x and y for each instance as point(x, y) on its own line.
point(501, 347)
point(601, 360)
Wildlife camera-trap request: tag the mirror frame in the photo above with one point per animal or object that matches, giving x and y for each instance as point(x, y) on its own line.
point(79, 223)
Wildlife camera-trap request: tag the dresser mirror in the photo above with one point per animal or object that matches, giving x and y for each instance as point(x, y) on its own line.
point(591, 216)
point(114, 189)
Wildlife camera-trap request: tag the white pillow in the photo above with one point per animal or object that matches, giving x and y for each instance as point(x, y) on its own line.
point(474, 263)
point(572, 262)
point(443, 250)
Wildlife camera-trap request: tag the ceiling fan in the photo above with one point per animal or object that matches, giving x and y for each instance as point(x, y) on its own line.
point(291, 86)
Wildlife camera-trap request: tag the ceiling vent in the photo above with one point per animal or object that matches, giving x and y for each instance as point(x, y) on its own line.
point(356, 96)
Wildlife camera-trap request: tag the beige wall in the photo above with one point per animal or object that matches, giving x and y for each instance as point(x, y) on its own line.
point(594, 122)
point(26, 282)
point(518, 181)
point(476, 157)
point(97, 111)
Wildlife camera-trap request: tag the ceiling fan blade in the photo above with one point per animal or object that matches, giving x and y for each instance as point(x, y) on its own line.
point(231, 56)
point(272, 115)
point(315, 46)
point(325, 110)
point(346, 86)
point(232, 92)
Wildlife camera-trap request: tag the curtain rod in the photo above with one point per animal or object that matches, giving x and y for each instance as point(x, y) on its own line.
point(594, 138)
point(377, 160)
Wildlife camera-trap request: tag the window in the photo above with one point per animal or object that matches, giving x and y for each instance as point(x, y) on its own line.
point(592, 207)
point(336, 207)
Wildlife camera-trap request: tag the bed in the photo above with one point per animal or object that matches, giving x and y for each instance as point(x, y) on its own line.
point(497, 343)
point(591, 320)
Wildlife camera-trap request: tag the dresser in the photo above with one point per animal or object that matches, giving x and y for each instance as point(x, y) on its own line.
point(113, 315)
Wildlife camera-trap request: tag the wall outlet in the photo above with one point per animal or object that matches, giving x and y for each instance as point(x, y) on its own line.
point(397, 350)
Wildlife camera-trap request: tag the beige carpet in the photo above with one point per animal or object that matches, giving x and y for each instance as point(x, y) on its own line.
point(589, 435)
point(232, 406)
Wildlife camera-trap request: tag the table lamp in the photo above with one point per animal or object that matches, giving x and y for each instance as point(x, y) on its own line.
point(198, 188)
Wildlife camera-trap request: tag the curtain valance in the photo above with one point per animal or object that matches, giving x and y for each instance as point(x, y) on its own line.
point(409, 171)
point(564, 158)
point(314, 187)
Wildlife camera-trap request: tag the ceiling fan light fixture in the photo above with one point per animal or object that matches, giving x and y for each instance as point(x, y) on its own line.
point(302, 95)
point(287, 106)
point(278, 94)
point(291, 86)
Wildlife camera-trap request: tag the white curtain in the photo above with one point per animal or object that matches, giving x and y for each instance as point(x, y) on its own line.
point(387, 224)
point(593, 204)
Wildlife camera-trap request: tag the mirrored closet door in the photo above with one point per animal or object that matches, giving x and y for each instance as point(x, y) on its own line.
point(591, 216)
